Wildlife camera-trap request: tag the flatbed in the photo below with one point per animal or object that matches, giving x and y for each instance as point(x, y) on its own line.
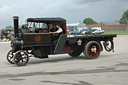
point(91, 36)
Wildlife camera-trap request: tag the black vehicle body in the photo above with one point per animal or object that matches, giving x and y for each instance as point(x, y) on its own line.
point(28, 40)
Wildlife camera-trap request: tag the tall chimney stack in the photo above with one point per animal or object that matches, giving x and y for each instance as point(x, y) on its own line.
point(15, 20)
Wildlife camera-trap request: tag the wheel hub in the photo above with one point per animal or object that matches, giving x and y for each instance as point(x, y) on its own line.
point(93, 49)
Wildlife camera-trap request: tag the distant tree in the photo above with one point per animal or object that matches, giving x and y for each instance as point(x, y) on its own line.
point(8, 27)
point(124, 18)
point(89, 21)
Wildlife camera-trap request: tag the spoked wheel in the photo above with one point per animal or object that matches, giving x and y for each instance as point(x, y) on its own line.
point(75, 50)
point(21, 58)
point(10, 56)
point(92, 50)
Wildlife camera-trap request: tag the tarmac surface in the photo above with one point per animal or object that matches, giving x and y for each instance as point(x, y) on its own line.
point(109, 69)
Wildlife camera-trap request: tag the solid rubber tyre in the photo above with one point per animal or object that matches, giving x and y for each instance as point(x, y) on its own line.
point(92, 50)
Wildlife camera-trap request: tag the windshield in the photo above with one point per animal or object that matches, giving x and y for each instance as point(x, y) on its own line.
point(37, 25)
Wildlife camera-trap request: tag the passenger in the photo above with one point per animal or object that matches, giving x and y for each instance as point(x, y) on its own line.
point(57, 31)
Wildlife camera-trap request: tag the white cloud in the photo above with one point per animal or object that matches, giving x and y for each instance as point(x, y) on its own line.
point(3, 11)
point(5, 15)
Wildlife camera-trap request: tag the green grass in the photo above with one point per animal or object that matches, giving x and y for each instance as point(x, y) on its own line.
point(117, 32)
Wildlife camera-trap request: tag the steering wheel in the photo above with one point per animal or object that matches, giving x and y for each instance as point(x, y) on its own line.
point(31, 29)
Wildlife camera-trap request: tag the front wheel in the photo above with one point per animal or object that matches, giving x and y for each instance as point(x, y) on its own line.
point(21, 58)
point(92, 50)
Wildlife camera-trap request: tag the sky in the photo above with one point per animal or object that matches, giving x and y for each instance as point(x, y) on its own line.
point(73, 11)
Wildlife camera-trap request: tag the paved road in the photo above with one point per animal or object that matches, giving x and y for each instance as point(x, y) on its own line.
point(109, 69)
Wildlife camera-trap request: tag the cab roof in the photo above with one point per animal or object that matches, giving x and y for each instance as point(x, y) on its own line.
point(46, 20)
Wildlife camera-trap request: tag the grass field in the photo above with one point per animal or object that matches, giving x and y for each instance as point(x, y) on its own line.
point(117, 32)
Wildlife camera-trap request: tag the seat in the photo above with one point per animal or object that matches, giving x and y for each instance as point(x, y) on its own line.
point(44, 30)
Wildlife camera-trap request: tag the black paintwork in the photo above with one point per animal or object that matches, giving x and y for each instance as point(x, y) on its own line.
point(46, 20)
point(29, 42)
point(60, 44)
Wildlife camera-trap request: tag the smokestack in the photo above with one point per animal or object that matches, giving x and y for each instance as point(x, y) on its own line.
point(15, 19)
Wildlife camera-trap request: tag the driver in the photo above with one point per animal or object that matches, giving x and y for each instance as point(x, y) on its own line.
point(56, 32)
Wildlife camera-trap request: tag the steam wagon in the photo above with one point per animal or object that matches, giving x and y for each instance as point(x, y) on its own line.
point(34, 39)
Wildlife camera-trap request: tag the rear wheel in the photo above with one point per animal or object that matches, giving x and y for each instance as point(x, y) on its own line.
point(75, 50)
point(92, 50)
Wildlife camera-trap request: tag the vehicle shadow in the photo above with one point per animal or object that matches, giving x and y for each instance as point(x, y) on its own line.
point(61, 59)
point(56, 59)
